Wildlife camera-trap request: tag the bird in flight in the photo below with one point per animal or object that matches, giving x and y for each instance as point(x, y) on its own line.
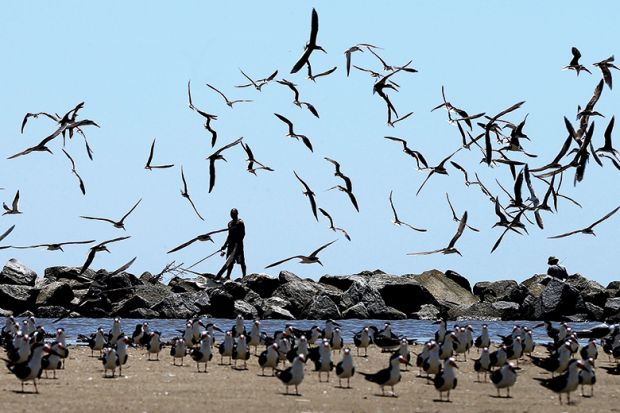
point(305, 259)
point(331, 224)
point(605, 65)
point(14, 209)
point(309, 193)
point(117, 224)
point(122, 268)
point(292, 133)
point(574, 63)
point(201, 237)
point(258, 84)
point(450, 249)
point(439, 169)
point(338, 173)
point(230, 103)
point(589, 229)
point(185, 194)
point(98, 248)
point(74, 171)
point(455, 217)
point(356, 48)
point(214, 157)
point(150, 159)
point(52, 247)
point(251, 161)
point(325, 73)
point(207, 116)
point(419, 158)
point(397, 221)
point(7, 232)
point(349, 193)
point(311, 45)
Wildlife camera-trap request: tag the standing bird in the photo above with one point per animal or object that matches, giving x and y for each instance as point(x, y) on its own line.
point(450, 249)
point(117, 224)
point(589, 229)
point(483, 339)
point(185, 194)
point(587, 376)
point(324, 362)
point(241, 351)
point(483, 364)
point(14, 209)
point(153, 344)
point(574, 63)
point(345, 369)
point(305, 259)
point(121, 351)
point(389, 376)
point(446, 380)
point(97, 342)
point(292, 134)
point(150, 159)
point(311, 45)
point(566, 383)
point(294, 375)
point(226, 348)
point(230, 103)
point(216, 156)
point(203, 354)
point(504, 378)
point(110, 361)
point(178, 350)
point(98, 248)
point(269, 358)
point(309, 193)
point(362, 339)
point(30, 370)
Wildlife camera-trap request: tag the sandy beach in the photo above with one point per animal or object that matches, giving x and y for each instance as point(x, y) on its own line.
point(158, 386)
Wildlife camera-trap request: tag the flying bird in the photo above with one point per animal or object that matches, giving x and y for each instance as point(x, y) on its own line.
point(331, 224)
point(309, 259)
point(574, 63)
point(450, 249)
point(122, 268)
point(356, 48)
point(53, 247)
point(185, 194)
point(117, 224)
point(7, 232)
point(296, 100)
point(207, 116)
point(439, 169)
point(419, 158)
point(308, 192)
point(251, 161)
point(349, 193)
point(74, 171)
point(258, 84)
point(464, 171)
point(214, 157)
point(608, 146)
point(589, 229)
point(292, 133)
point(397, 221)
point(490, 125)
point(311, 45)
point(455, 217)
point(605, 65)
point(150, 159)
point(338, 173)
point(230, 103)
point(325, 73)
point(14, 209)
point(201, 237)
point(398, 119)
point(98, 248)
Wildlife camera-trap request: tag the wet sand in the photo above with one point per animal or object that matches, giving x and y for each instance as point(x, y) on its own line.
point(158, 386)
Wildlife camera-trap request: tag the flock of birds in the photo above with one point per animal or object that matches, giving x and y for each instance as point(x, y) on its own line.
point(569, 363)
point(494, 136)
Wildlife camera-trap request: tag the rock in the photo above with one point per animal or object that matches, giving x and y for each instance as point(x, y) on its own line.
point(26, 314)
point(362, 292)
point(321, 308)
point(508, 310)
point(590, 291)
point(16, 273)
point(5, 313)
point(459, 279)
point(498, 310)
point(262, 284)
point(143, 313)
point(536, 284)
point(286, 276)
point(69, 273)
point(202, 301)
point(358, 311)
point(183, 285)
point(612, 309)
point(52, 311)
point(393, 314)
point(444, 289)
point(594, 312)
point(505, 290)
point(56, 293)
point(127, 307)
point(426, 312)
point(237, 290)
point(335, 294)
point(222, 303)
point(247, 310)
point(342, 282)
point(404, 292)
point(17, 298)
point(299, 293)
point(559, 299)
point(275, 308)
point(177, 305)
point(151, 293)
point(614, 285)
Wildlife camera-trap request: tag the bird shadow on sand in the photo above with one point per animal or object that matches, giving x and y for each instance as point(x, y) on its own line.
point(291, 394)
point(386, 395)
point(24, 392)
point(442, 401)
point(495, 396)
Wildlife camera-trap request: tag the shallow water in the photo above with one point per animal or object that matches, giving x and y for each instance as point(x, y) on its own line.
point(421, 330)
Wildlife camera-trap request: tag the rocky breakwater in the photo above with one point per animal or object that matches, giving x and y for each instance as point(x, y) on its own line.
point(62, 291)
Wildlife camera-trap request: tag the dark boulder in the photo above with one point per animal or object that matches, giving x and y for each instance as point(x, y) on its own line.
point(222, 303)
point(287, 276)
point(362, 292)
point(594, 312)
point(342, 282)
point(498, 310)
point(358, 311)
point(321, 307)
point(404, 292)
point(52, 311)
point(69, 273)
point(536, 284)
point(202, 301)
point(299, 293)
point(459, 279)
point(55, 293)
point(262, 284)
point(17, 298)
point(557, 299)
point(589, 290)
point(614, 285)
point(183, 285)
point(126, 307)
point(143, 314)
point(237, 290)
point(612, 309)
point(177, 305)
point(16, 273)
point(275, 308)
point(505, 290)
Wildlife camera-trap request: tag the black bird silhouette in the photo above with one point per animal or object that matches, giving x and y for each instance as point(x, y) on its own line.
point(555, 163)
point(490, 125)
point(584, 118)
point(349, 193)
point(338, 173)
point(292, 133)
point(117, 224)
point(185, 194)
point(456, 218)
point(398, 119)
point(397, 221)
point(325, 73)
point(74, 171)
point(52, 247)
point(296, 100)
point(356, 48)
point(98, 248)
point(14, 209)
point(379, 88)
point(150, 159)
point(258, 84)
point(230, 103)
point(589, 229)
point(608, 146)
point(201, 237)
point(450, 249)
point(308, 192)
point(305, 259)
point(419, 158)
point(251, 161)
point(214, 157)
point(123, 267)
point(515, 223)
point(574, 63)
point(605, 65)
point(331, 224)
point(7, 232)
point(207, 116)
point(389, 67)
point(460, 168)
point(311, 45)
point(439, 169)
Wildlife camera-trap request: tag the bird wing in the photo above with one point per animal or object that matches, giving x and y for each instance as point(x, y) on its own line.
point(302, 60)
point(313, 204)
point(211, 174)
point(221, 94)
point(425, 180)
point(311, 108)
point(76, 242)
point(459, 231)
point(150, 158)
point(608, 131)
point(16, 201)
point(194, 207)
point(124, 267)
point(576, 56)
point(185, 244)
point(393, 209)
point(70, 159)
point(460, 168)
point(282, 261)
point(427, 252)
point(327, 72)
point(7, 232)
point(306, 141)
point(518, 199)
point(288, 122)
point(89, 260)
point(321, 248)
point(605, 217)
point(99, 219)
point(113, 240)
point(329, 217)
point(131, 210)
point(314, 27)
point(595, 96)
point(353, 200)
point(451, 208)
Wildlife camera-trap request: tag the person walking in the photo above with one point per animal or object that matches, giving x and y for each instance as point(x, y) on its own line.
point(233, 247)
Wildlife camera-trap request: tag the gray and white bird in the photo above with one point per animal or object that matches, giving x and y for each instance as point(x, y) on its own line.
point(241, 351)
point(121, 351)
point(336, 342)
point(30, 370)
point(565, 383)
point(226, 348)
point(587, 376)
point(483, 340)
point(504, 378)
point(204, 353)
point(483, 364)
point(270, 358)
point(446, 379)
point(345, 369)
point(362, 339)
point(294, 375)
point(178, 350)
point(255, 338)
point(324, 363)
point(110, 361)
point(389, 376)
point(153, 345)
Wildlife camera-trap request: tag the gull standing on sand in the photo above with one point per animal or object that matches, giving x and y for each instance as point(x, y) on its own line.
point(345, 369)
point(446, 380)
point(294, 375)
point(504, 378)
point(389, 376)
point(204, 354)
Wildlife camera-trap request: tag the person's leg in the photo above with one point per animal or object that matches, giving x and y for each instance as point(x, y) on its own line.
point(229, 270)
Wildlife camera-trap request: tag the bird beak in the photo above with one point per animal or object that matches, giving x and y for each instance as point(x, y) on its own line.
point(539, 325)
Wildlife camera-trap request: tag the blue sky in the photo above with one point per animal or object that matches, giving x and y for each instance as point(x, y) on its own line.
point(130, 63)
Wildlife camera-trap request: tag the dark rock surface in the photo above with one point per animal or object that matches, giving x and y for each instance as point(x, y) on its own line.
point(16, 273)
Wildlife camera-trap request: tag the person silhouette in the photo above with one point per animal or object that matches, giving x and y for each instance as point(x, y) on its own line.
point(555, 269)
point(233, 246)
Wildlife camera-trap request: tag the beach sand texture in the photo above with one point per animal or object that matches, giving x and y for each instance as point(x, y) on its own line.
point(158, 386)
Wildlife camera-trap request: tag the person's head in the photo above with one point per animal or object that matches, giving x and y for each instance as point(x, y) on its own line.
point(553, 260)
point(234, 213)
